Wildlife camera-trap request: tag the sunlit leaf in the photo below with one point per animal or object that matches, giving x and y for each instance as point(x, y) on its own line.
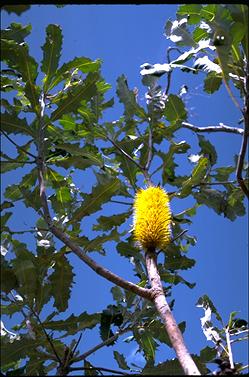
point(197, 175)
point(80, 92)
point(175, 109)
point(207, 149)
point(212, 82)
point(108, 222)
point(101, 193)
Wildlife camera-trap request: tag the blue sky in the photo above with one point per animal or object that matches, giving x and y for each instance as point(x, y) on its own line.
point(124, 37)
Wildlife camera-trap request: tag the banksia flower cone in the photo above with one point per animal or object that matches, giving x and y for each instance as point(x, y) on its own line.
point(152, 218)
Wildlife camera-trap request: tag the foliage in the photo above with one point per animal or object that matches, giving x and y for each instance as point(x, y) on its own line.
point(68, 101)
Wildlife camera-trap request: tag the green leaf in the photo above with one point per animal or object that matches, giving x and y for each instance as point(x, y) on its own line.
point(128, 98)
point(84, 91)
point(83, 64)
point(197, 175)
point(205, 302)
point(235, 206)
point(51, 53)
point(74, 324)
point(222, 174)
point(189, 9)
point(109, 316)
point(117, 294)
point(17, 57)
point(178, 262)
point(25, 271)
point(157, 329)
point(8, 278)
point(178, 33)
point(174, 278)
point(18, 9)
point(212, 82)
point(11, 124)
point(93, 202)
point(147, 343)
point(61, 282)
point(17, 32)
point(207, 149)
point(120, 360)
point(168, 368)
point(108, 222)
point(90, 371)
point(175, 110)
point(207, 354)
point(18, 349)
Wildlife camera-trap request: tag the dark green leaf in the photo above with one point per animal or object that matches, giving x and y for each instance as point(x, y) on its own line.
point(17, 32)
point(205, 302)
point(17, 350)
point(11, 124)
point(84, 91)
point(178, 262)
point(17, 372)
point(18, 9)
point(222, 174)
point(8, 277)
point(83, 64)
point(61, 282)
point(51, 53)
point(94, 201)
point(212, 82)
point(128, 98)
point(5, 205)
point(178, 33)
point(207, 149)
point(90, 371)
point(108, 222)
point(197, 175)
point(109, 316)
point(174, 110)
point(207, 354)
point(157, 330)
point(117, 294)
point(168, 368)
point(120, 360)
point(74, 324)
point(175, 279)
point(189, 9)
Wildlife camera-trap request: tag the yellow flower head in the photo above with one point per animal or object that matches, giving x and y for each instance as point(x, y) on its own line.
point(152, 218)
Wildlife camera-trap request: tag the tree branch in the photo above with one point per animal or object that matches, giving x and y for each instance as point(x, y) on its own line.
point(170, 324)
point(16, 145)
point(243, 148)
point(221, 128)
point(100, 345)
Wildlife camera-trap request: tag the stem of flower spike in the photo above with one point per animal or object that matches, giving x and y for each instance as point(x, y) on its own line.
point(163, 309)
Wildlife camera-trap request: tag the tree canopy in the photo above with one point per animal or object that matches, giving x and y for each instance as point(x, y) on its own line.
point(53, 115)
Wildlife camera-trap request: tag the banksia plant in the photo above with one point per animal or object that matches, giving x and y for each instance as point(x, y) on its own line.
point(152, 218)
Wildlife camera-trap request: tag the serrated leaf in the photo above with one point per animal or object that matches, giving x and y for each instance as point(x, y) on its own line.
point(207, 65)
point(168, 368)
point(17, 350)
point(178, 33)
point(207, 354)
point(51, 53)
point(157, 330)
point(205, 302)
point(83, 64)
point(17, 32)
point(8, 277)
point(61, 282)
point(212, 82)
point(207, 149)
point(175, 110)
point(17, 57)
point(73, 324)
point(212, 198)
point(108, 222)
point(174, 278)
point(117, 294)
point(222, 174)
point(128, 98)
point(99, 195)
point(120, 360)
point(178, 262)
point(11, 124)
point(71, 102)
point(197, 175)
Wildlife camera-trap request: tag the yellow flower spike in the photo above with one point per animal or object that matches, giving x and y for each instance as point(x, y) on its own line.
point(152, 218)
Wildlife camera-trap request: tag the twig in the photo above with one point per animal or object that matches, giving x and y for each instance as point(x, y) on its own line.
point(230, 354)
point(221, 128)
point(141, 168)
point(71, 369)
point(243, 148)
point(46, 334)
point(170, 324)
point(16, 145)
point(150, 146)
point(170, 72)
point(120, 202)
point(17, 162)
point(100, 345)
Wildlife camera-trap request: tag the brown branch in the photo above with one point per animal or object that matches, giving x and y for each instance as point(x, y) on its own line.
point(220, 128)
point(100, 345)
point(170, 324)
point(243, 148)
